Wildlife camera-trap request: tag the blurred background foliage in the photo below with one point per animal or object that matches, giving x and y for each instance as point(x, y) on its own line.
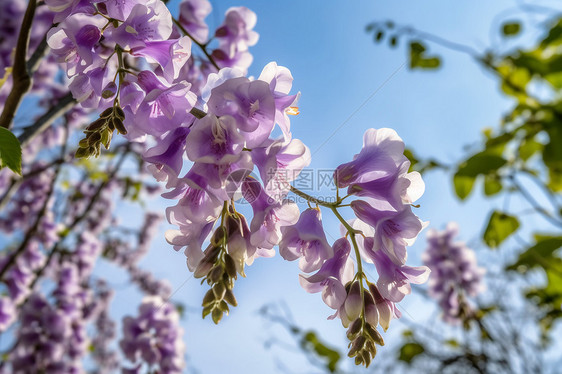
point(520, 158)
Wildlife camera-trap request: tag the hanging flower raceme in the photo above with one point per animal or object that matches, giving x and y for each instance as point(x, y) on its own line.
point(211, 135)
point(455, 275)
point(153, 339)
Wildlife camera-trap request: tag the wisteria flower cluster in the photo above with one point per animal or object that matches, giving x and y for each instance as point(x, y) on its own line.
point(218, 138)
point(455, 274)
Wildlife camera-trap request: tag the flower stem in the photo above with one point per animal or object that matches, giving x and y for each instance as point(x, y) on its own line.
point(314, 200)
point(202, 46)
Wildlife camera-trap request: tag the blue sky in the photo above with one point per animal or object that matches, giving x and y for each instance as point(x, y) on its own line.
point(336, 67)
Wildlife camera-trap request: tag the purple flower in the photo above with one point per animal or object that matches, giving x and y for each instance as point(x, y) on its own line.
point(306, 240)
point(280, 82)
point(215, 140)
point(7, 313)
point(192, 17)
point(120, 9)
point(393, 230)
point(164, 107)
point(65, 8)
point(87, 88)
point(269, 216)
point(250, 103)
point(386, 309)
point(279, 164)
point(73, 42)
point(171, 55)
point(154, 336)
point(191, 236)
point(195, 205)
point(382, 155)
point(240, 60)
point(236, 34)
point(394, 280)
point(455, 274)
point(224, 179)
point(149, 22)
point(332, 276)
point(166, 156)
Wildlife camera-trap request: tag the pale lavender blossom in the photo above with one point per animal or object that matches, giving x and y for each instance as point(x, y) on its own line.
point(154, 337)
point(250, 103)
point(306, 241)
point(192, 17)
point(455, 275)
point(269, 217)
point(332, 276)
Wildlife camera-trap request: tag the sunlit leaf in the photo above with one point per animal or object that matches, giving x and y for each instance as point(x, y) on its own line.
point(500, 227)
point(409, 351)
point(463, 185)
point(511, 28)
point(10, 151)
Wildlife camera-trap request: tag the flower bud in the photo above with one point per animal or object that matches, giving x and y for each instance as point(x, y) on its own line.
point(371, 313)
point(229, 297)
point(207, 310)
point(97, 124)
point(118, 124)
point(209, 298)
point(106, 113)
point(353, 303)
point(356, 346)
point(219, 289)
point(94, 137)
point(202, 269)
point(219, 236)
point(217, 316)
point(354, 329)
point(223, 307)
point(373, 334)
point(211, 254)
point(109, 91)
point(216, 274)
point(119, 113)
point(230, 266)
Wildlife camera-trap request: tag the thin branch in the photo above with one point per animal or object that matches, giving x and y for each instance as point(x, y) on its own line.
point(64, 105)
point(37, 56)
point(202, 46)
point(81, 217)
point(20, 75)
point(531, 200)
point(33, 229)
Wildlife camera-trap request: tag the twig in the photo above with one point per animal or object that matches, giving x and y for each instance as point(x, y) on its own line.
point(202, 46)
point(32, 230)
point(20, 74)
point(79, 219)
point(65, 103)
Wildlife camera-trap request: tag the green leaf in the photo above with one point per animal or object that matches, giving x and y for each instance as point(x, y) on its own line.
point(539, 255)
point(419, 59)
point(311, 343)
point(511, 28)
point(463, 185)
point(409, 351)
point(554, 36)
point(500, 227)
point(528, 148)
point(492, 185)
point(10, 151)
point(481, 163)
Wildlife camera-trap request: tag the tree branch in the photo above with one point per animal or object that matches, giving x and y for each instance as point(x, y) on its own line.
point(65, 104)
point(20, 75)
